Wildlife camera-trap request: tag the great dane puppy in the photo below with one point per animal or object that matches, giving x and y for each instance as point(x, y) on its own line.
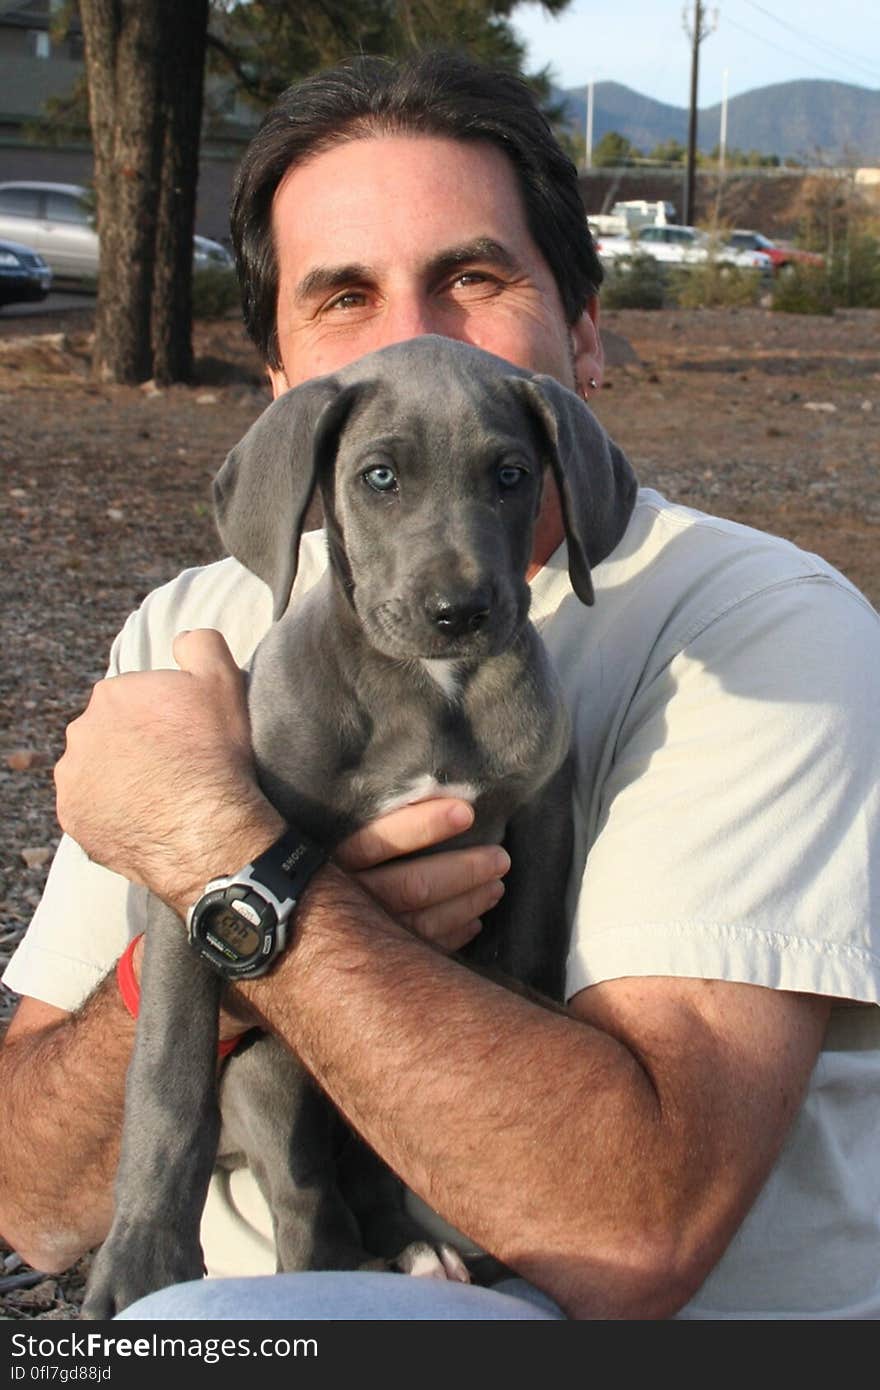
point(410, 669)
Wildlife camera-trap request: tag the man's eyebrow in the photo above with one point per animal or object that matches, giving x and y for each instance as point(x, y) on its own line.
point(481, 249)
point(324, 279)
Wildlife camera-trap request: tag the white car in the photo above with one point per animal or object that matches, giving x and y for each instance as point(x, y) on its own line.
point(57, 220)
point(672, 245)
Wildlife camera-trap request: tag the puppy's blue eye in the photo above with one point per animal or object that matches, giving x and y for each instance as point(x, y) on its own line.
point(509, 476)
point(381, 478)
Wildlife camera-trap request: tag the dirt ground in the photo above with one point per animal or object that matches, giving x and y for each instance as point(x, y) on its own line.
point(773, 420)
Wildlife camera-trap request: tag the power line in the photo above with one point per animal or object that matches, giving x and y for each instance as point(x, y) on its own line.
point(822, 44)
point(799, 57)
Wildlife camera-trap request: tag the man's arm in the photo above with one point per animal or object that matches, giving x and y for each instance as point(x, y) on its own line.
point(609, 1156)
point(62, 1074)
point(62, 1083)
point(579, 1218)
point(62, 1088)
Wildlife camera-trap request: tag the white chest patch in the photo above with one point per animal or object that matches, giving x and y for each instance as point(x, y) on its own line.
point(446, 674)
point(425, 787)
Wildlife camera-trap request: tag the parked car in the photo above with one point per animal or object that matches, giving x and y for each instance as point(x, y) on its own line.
point(57, 220)
point(24, 275)
point(783, 257)
point(211, 253)
point(680, 246)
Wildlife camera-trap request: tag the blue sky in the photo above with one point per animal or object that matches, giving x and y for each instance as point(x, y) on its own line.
point(642, 43)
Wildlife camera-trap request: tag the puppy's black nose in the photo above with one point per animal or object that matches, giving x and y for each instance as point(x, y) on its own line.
point(455, 615)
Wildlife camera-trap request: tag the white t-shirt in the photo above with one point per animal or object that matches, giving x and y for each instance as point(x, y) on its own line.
point(724, 693)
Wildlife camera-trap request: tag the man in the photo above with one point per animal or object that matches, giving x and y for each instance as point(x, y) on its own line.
point(697, 1137)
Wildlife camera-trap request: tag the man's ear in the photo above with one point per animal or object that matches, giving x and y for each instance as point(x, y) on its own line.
point(278, 383)
point(588, 354)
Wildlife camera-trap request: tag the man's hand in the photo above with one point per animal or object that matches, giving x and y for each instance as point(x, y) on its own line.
point(158, 783)
point(440, 897)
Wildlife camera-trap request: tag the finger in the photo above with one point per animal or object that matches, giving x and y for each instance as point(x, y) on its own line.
point(453, 924)
point(204, 652)
point(434, 878)
point(405, 831)
point(204, 655)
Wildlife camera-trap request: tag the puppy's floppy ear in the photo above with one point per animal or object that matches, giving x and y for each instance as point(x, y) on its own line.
point(597, 486)
point(263, 490)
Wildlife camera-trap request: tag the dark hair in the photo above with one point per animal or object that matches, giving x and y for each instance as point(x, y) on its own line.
point(435, 93)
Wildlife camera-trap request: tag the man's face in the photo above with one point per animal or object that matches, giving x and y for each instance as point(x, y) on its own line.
point(385, 238)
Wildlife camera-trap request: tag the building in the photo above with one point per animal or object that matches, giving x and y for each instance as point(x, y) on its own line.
point(37, 72)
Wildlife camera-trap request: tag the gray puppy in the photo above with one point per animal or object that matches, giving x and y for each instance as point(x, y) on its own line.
point(410, 669)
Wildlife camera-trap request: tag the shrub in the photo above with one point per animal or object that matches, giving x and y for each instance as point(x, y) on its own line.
point(715, 285)
point(215, 292)
point(803, 289)
point(849, 280)
point(634, 282)
point(855, 274)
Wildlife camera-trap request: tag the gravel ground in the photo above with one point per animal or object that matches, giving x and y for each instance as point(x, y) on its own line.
point(773, 420)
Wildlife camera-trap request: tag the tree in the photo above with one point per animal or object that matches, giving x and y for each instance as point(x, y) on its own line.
point(669, 152)
point(145, 65)
point(267, 44)
point(613, 148)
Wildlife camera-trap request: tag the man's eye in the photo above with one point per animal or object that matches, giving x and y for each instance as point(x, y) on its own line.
point(351, 299)
point(381, 478)
point(470, 279)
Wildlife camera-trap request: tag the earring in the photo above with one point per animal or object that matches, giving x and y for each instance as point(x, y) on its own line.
point(593, 384)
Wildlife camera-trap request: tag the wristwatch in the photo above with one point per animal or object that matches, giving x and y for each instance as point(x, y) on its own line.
point(240, 923)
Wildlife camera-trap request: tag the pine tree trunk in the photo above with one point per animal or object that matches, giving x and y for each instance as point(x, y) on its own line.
point(121, 41)
point(182, 72)
point(145, 71)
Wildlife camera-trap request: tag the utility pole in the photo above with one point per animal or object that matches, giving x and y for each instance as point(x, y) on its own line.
point(722, 155)
point(588, 156)
point(697, 31)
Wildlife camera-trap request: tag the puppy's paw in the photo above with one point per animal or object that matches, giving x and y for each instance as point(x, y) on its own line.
point(132, 1263)
point(425, 1261)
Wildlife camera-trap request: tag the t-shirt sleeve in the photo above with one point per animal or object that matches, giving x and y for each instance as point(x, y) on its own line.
point(87, 915)
point(739, 828)
point(82, 924)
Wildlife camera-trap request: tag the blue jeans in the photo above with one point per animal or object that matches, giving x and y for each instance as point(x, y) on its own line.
point(344, 1297)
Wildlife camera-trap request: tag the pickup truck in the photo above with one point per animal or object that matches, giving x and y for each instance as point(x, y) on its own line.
point(628, 217)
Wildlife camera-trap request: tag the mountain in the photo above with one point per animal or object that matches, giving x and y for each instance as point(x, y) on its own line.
point(808, 120)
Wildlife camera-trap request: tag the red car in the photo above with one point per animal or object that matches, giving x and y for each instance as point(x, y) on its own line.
point(781, 256)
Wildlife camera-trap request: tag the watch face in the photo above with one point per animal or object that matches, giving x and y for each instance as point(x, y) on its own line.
point(242, 939)
point(236, 930)
point(239, 924)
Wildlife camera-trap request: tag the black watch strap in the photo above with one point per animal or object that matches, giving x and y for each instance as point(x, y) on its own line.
point(286, 867)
